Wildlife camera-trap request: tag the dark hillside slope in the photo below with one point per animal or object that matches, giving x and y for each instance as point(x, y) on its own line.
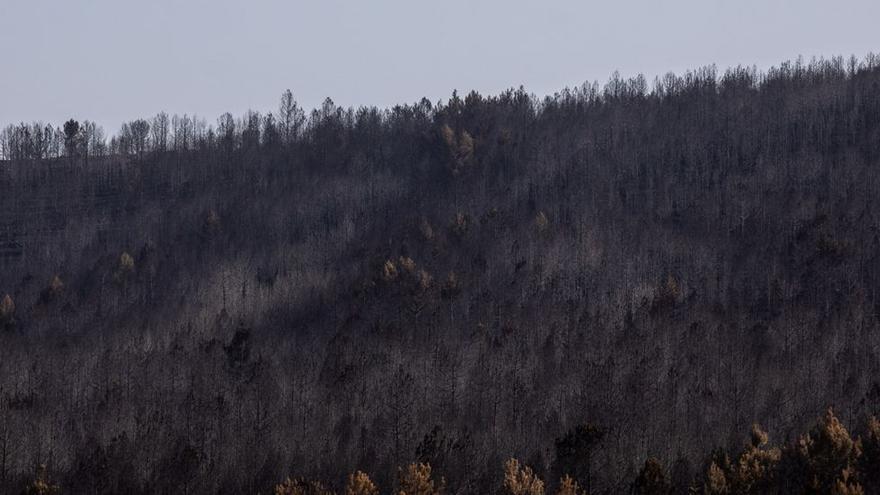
point(261, 299)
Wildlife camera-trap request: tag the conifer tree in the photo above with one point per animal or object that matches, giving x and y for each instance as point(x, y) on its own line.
point(389, 271)
point(300, 486)
point(826, 454)
point(568, 486)
point(360, 484)
point(716, 481)
point(846, 485)
point(521, 480)
point(416, 479)
point(754, 471)
point(41, 485)
point(869, 462)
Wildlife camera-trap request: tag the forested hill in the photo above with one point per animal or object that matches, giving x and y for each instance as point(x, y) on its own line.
point(196, 308)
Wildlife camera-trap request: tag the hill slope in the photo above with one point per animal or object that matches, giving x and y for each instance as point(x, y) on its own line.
point(314, 295)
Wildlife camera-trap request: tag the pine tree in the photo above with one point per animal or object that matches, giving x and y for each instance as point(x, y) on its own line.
point(846, 485)
point(389, 271)
point(869, 463)
point(754, 471)
point(825, 454)
point(716, 481)
point(521, 480)
point(416, 480)
point(568, 486)
point(41, 485)
point(407, 264)
point(300, 486)
point(360, 484)
point(460, 146)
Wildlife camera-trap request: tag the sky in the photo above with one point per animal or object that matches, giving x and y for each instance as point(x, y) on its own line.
point(112, 61)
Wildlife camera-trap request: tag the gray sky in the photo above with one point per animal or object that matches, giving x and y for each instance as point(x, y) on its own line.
point(116, 60)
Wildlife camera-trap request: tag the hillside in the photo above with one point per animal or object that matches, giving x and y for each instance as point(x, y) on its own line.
point(203, 308)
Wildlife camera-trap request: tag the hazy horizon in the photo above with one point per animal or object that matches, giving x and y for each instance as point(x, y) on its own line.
point(112, 61)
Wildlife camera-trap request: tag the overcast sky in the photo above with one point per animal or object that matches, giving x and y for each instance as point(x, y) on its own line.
point(116, 60)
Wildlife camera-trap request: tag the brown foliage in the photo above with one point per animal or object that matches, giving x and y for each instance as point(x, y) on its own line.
point(828, 452)
point(869, 463)
point(846, 485)
point(759, 437)
point(407, 264)
point(416, 480)
point(359, 483)
point(460, 146)
point(754, 470)
point(300, 486)
point(124, 267)
point(568, 486)
point(521, 480)
point(716, 481)
point(41, 485)
point(389, 271)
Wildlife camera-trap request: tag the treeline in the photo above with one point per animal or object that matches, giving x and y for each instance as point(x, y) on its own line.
point(195, 308)
point(824, 461)
point(74, 140)
point(290, 124)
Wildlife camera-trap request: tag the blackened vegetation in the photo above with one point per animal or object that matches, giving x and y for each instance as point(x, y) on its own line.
point(198, 309)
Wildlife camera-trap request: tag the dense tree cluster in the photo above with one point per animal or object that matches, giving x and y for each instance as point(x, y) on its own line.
point(827, 460)
point(423, 292)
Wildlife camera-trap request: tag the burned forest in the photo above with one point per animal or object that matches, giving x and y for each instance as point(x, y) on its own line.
point(620, 287)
